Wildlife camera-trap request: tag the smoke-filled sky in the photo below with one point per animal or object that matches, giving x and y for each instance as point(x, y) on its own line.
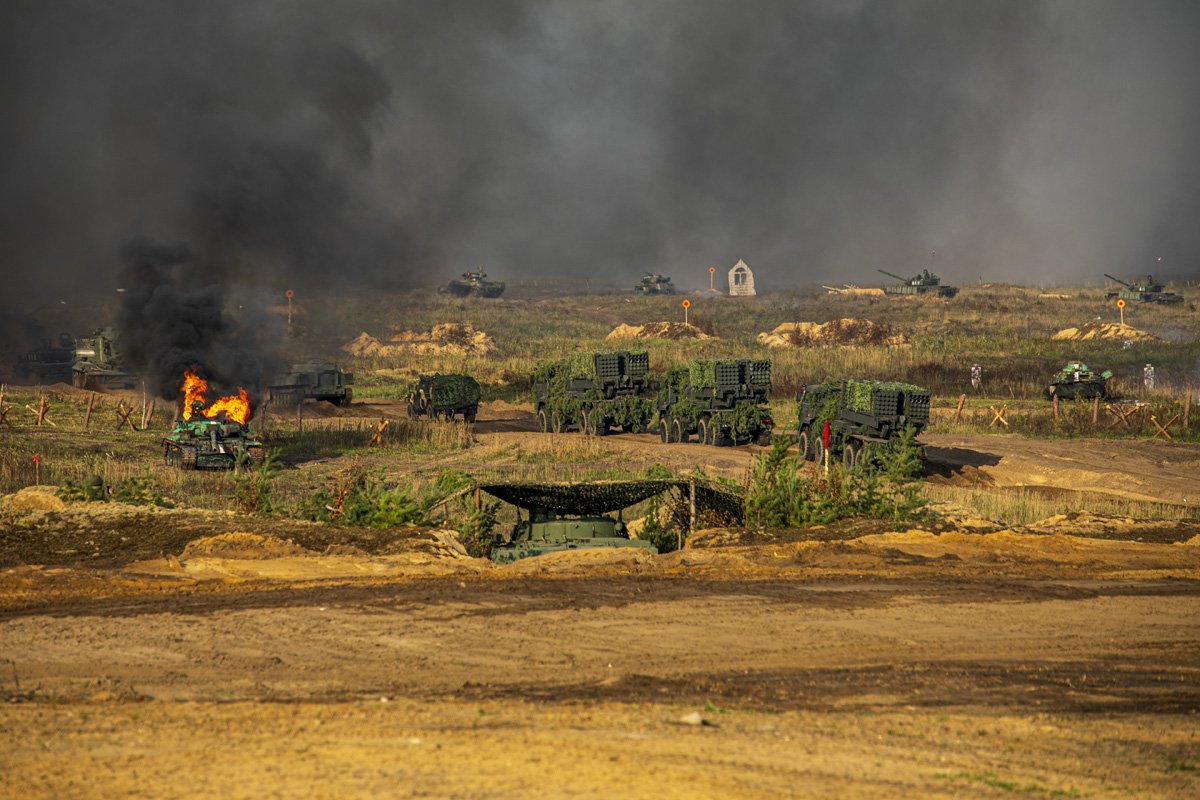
point(386, 143)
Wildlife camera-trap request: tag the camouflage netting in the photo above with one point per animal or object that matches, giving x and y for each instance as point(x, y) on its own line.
point(450, 391)
point(599, 497)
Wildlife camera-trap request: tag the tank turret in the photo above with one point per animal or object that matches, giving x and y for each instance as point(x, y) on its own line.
point(1147, 291)
point(473, 284)
point(653, 283)
point(923, 283)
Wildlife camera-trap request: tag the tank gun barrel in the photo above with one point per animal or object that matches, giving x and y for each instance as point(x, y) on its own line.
point(894, 275)
point(1118, 280)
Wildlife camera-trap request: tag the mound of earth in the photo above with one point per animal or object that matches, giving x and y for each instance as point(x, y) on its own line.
point(1104, 330)
point(835, 333)
point(861, 291)
point(658, 330)
point(449, 338)
point(238, 544)
point(32, 498)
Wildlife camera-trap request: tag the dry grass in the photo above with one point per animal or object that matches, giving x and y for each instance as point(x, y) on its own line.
point(1025, 506)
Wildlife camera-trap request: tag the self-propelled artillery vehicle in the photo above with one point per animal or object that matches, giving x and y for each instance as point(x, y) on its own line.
point(595, 392)
point(209, 443)
point(311, 380)
point(1076, 381)
point(653, 283)
point(721, 402)
point(473, 284)
point(924, 284)
point(852, 418)
point(48, 363)
point(1147, 291)
point(99, 365)
point(444, 396)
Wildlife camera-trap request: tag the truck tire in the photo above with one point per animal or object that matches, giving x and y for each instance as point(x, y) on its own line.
point(664, 431)
point(543, 420)
point(679, 432)
point(469, 415)
point(704, 432)
point(818, 447)
point(556, 423)
point(850, 454)
point(586, 423)
point(805, 444)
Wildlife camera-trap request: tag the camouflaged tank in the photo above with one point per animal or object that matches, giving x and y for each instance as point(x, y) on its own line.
point(924, 284)
point(652, 283)
point(473, 284)
point(202, 443)
point(1076, 381)
point(444, 396)
point(1147, 291)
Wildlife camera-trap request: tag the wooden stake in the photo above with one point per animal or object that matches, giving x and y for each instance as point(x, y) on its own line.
point(1096, 410)
point(1162, 429)
point(3, 408)
point(87, 418)
point(962, 398)
point(998, 416)
point(299, 420)
point(124, 413)
point(377, 433)
point(1187, 406)
point(1055, 399)
point(149, 414)
point(40, 412)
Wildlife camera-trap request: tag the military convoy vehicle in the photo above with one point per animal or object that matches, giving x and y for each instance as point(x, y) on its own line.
point(851, 418)
point(722, 402)
point(98, 363)
point(569, 516)
point(48, 364)
point(311, 380)
point(593, 392)
point(654, 284)
point(1147, 291)
point(923, 284)
point(1076, 381)
point(203, 443)
point(444, 396)
point(473, 284)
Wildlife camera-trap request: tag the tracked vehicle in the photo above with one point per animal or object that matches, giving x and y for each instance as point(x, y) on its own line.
point(1076, 381)
point(473, 284)
point(444, 396)
point(1147, 291)
point(924, 284)
point(652, 283)
point(99, 365)
point(720, 402)
point(203, 443)
point(311, 380)
point(852, 418)
point(48, 364)
point(594, 393)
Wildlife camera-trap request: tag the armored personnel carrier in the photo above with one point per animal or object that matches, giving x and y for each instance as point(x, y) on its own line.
point(652, 283)
point(569, 516)
point(850, 418)
point(48, 364)
point(311, 380)
point(98, 363)
point(1077, 381)
point(444, 396)
point(473, 284)
point(1147, 291)
point(720, 402)
point(593, 392)
point(203, 443)
point(924, 284)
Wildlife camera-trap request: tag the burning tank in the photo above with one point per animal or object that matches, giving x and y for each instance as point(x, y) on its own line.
point(474, 284)
point(1147, 291)
point(652, 283)
point(922, 284)
point(211, 436)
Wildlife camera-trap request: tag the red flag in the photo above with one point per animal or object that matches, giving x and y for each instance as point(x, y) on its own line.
point(825, 434)
point(35, 459)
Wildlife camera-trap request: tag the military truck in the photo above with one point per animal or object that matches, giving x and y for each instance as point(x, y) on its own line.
point(721, 402)
point(594, 392)
point(311, 380)
point(1076, 381)
point(444, 396)
point(851, 418)
point(99, 365)
point(1147, 291)
point(473, 284)
point(652, 283)
point(203, 443)
point(48, 363)
point(925, 283)
point(569, 516)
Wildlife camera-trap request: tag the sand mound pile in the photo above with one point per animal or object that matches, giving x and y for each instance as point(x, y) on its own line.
point(449, 338)
point(1104, 330)
point(860, 291)
point(32, 498)
point(242, 545)
point(658, 330)
point(835, 333)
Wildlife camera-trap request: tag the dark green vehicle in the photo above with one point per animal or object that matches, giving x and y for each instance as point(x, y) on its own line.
point(721, 402)
point(201, 443)
point(594, 392)
point(473, 284)
point(1147, 291)
point(311, 380)
point(562, 517)
point(444, 396)
point(99, 364)
point(851, 418)
point(924, 284)
point(48, 364)
point(1076, 381)
point(653, 283)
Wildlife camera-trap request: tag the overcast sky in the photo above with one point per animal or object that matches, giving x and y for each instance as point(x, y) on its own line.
point(391, 143)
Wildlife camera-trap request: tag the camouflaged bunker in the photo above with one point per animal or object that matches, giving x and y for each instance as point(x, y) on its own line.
point(444, 396)
point(721, 402)
point(594, 392)
point(850, 418)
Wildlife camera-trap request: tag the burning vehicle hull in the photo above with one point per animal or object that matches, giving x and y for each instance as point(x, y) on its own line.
point(210, 444)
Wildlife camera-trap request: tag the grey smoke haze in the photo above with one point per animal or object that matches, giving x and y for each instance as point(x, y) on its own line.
point(383, 143)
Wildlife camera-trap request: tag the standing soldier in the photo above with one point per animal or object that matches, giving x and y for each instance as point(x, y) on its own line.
point(1148, 377)
point(976, 376)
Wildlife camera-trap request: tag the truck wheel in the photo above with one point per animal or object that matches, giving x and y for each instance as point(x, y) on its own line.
point(585, 423)
point(703, 432)
point(469, 415)
point(818, 449)
point(679, 433)
point(664, 431)
point(850, 455)
point(805, 445)
point(543, 420)
point(763, 439)
point(556, 423)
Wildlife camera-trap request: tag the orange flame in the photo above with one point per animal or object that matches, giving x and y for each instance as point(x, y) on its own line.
point(235, 407)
